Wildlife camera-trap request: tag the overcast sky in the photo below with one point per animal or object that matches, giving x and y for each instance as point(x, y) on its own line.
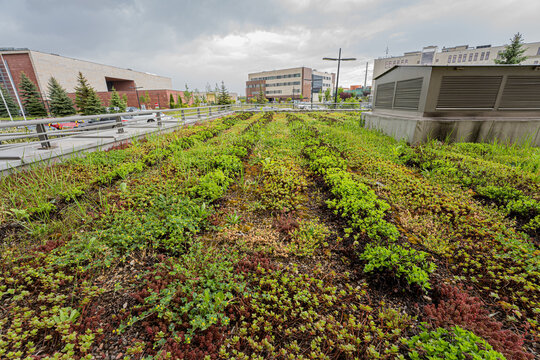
point(207, 41)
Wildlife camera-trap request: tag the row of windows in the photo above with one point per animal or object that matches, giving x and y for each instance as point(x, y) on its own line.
point(391, 63)
point(472, 57)
point(276, 77)
point(270, 92)
point(249, 86)
point(290, 83)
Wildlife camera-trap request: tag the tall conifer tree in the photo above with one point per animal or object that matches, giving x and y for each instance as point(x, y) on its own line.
point(60, 104)
point(30, 97)
point(13, 108)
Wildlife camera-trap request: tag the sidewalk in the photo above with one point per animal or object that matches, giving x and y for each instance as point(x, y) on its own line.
point(20, 155)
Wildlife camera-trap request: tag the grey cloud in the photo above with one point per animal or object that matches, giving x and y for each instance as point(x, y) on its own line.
point(199, 42)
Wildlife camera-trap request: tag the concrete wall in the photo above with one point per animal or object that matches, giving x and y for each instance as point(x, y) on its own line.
point(415, 130)
point(65, 70)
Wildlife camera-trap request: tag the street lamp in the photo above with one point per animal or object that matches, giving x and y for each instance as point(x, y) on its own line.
point(136, 92)
point(339, 60)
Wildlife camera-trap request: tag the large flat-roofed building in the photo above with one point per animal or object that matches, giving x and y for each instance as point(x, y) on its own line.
point(294, 83)
point(482, 103)
point(40, 67)
point(458, 55)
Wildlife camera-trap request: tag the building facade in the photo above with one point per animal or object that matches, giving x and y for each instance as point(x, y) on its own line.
point(40, 67)
point(462, 55)
point(295, 83)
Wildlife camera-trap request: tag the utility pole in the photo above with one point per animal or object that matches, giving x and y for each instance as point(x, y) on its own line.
point(365, 79)
point(339, 60)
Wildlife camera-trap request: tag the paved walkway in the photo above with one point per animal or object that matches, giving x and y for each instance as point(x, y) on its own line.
point(20, 155)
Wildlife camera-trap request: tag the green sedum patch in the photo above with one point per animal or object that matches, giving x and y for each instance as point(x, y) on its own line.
point(458, 343)
point(410, 264)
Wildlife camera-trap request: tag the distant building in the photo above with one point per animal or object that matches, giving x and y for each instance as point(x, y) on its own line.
point(295, 83)
point(358, 90)
point(39, 67)
point(462, 55)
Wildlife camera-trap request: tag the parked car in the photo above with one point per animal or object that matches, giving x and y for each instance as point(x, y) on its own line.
point(65, 126)
point(108, 122)
point(131, 109)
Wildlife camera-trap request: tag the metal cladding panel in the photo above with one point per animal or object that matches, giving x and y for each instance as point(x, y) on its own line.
point(384, 98)
point(408, 94)
point(521, 92)
point(471, 92)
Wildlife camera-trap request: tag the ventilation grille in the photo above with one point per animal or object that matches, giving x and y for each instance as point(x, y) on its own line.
point(521, 92)
point(408, 94)
point(385, 95)
point(471, 92)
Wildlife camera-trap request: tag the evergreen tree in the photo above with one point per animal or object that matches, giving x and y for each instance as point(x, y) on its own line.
point(223, 97)
point(513, 53)
point(125, 99)
point(117, 101)
point(179, 103)
point(13, 108)
point(81, 92)
point(261, 98)
point(60, 104)
point(30, 97)
point(92, 105)
point(171, 102)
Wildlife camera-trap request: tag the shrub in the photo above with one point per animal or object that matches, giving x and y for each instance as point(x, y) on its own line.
point(399, 261)
point(456, 344)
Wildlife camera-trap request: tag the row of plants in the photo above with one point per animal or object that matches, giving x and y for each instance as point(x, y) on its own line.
point(63, 277)
point(476, 244)
point(66, 182)
point(509, 181)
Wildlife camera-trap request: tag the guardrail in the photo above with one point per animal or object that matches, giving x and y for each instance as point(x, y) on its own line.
point(18, 139)
point(49, 130)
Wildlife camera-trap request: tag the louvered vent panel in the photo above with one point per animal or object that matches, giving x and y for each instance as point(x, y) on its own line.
point(408, 94)
point(521, 92)
point(474, 92)
point(385, 95)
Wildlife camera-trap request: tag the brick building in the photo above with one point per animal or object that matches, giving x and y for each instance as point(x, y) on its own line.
point(295, 83)
point(39, 67)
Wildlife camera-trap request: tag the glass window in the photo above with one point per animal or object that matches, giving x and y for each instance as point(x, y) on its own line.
point(454, 59)
point(459, 58)
point(475, 56)
point(487, 56)
point(538, 52)
point(406, 62)
point(449, 58)
point(470, 56)
point(482, 56)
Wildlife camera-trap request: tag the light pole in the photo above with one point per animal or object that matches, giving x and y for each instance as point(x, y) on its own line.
point(339, 60)
point(137, 93)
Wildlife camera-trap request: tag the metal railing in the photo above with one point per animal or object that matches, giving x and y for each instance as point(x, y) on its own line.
point(50, 130)
point(304, 106)
point(19, 138)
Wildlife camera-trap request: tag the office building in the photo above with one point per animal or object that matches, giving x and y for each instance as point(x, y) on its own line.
point(458, 55)
point(295, 83)
point(39, 67)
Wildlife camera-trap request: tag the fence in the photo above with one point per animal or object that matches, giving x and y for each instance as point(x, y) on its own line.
point(22, 142)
